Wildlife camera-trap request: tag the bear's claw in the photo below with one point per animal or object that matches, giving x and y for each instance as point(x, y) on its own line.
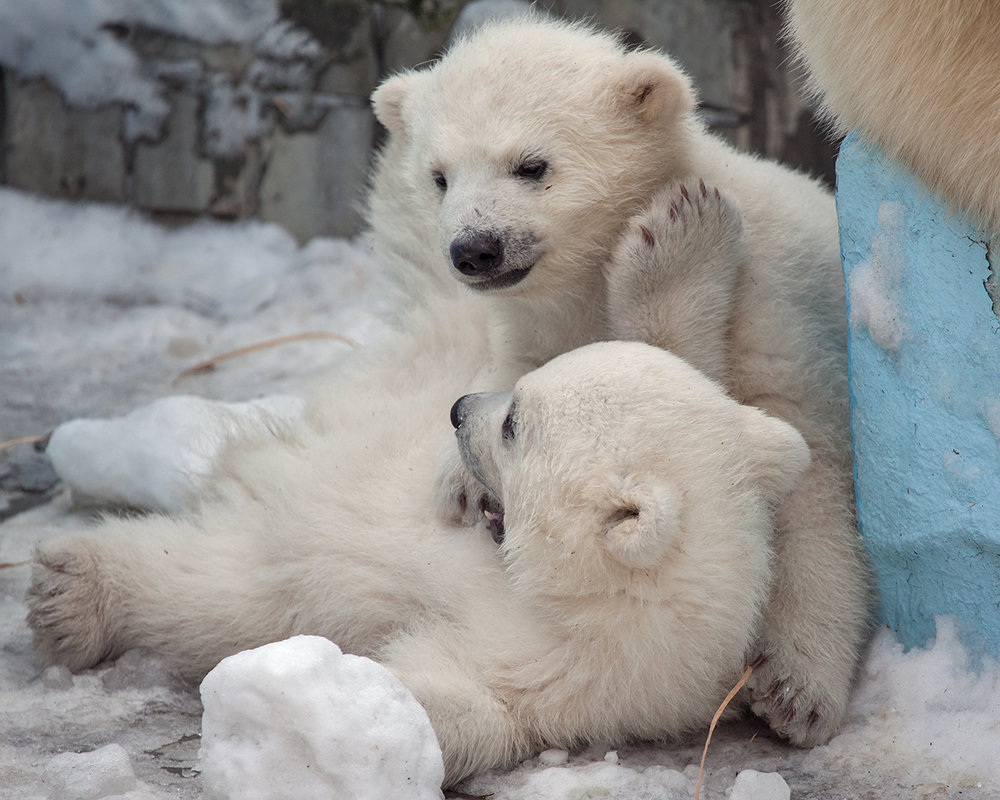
point(798, 713)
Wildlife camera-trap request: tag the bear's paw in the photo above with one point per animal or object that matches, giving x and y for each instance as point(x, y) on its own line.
point(65, 606)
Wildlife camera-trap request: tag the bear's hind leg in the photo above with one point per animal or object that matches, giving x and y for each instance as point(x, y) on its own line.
point(190, 595)
point(817, 620)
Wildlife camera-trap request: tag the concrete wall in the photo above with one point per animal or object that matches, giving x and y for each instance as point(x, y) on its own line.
point(924, 303)
point(277, 126)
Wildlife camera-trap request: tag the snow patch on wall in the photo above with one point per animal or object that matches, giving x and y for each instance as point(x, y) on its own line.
point(75, 45)
point(874, 285)
point(83, 48)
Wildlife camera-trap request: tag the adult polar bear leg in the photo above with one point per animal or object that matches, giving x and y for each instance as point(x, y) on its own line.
point(672, 278)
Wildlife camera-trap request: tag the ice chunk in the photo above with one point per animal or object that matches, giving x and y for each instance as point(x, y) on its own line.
point(553, 758)
point(90, 776)
point(298, 719)
point(753, 785)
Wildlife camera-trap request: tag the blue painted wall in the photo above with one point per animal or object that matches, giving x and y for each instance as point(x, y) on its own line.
point(924, 347)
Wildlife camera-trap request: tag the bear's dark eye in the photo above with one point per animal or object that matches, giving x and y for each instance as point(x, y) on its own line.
point(533, 169)
point(440, 180)
point(509, 428)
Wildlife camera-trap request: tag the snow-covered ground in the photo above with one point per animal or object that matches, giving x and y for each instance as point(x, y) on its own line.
point(100, 311)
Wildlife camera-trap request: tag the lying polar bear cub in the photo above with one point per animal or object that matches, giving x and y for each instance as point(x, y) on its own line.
point(621, 603)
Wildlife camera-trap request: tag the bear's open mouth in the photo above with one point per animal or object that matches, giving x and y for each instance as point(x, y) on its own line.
point(502, 281)
point(494, 519)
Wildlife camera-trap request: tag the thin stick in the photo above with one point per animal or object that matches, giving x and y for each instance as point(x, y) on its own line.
point(209, 364)
point(23, 440)
point(711, 728)
point(9, 564)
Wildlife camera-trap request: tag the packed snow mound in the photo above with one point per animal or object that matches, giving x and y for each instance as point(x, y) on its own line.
point(933, 714)
point(160, 456)
point(298, 718)
point(69, 251)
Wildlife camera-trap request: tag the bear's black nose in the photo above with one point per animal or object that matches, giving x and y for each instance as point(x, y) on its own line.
point(457, 412)
point(476, 253)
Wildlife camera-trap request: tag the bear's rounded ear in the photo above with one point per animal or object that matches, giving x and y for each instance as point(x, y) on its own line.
point(776, 452)
point(652, 88)
point(644, 518)
point(388, 100)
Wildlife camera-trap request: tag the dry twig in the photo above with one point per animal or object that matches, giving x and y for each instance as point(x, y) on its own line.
point(210, 363)
point(711, 728)
point(23, 440)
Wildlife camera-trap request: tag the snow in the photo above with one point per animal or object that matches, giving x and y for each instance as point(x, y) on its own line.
point(874, 286)
point(151, 301)
point(74, 46)
point(110, 461)
point(104, 772)
point(753, 785)
point(298, 719)
point(78, 48)
point(93, 323)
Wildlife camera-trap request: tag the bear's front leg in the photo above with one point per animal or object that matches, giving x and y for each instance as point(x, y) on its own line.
point(459, 498)
point(475, 729)
point(672, 279)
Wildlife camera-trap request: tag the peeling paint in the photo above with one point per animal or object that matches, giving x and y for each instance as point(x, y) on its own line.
point(992, 283)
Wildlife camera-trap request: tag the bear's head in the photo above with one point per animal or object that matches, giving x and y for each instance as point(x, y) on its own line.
point(531, 142)
point(622, 470)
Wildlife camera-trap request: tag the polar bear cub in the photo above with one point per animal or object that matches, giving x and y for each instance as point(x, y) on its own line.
point(622, 601)
point(551, 191)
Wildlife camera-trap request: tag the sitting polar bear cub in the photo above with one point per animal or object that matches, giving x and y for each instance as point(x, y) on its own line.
point(622, 602)
point(551, 191)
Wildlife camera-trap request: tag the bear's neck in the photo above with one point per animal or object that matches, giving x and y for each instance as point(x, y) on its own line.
point(533, 330)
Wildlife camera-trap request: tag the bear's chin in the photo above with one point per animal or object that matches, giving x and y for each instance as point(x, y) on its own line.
point(502, 281)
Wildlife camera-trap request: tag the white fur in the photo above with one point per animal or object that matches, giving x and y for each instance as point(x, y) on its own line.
point(918, 78)
point(764, 311)
point(622, 603)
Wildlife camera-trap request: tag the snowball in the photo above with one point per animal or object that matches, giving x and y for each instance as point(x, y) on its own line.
point(90, 776)
point(161, 455)
point(753, 785)
point(299, 719)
